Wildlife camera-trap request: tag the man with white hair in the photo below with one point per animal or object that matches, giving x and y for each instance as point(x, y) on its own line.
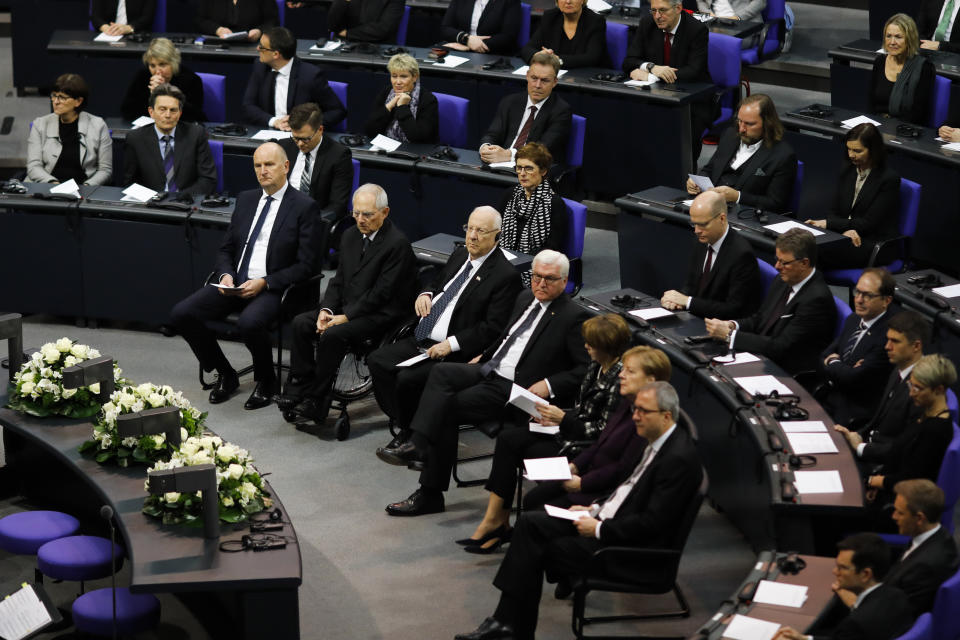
point(541, 350)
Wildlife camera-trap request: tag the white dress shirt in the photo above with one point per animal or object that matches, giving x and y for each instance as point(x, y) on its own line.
point(442, 326)
point(508, 363)
point(793, 291)
point(280, 92)
point(478, 8)
point(258, 255)
point(121, 12)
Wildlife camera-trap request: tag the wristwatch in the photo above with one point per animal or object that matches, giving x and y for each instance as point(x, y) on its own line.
point(649, 67)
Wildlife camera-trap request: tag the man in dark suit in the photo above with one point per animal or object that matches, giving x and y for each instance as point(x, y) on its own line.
point(855, 364)
point(753, 165)
point(937, 26)
point(931, 557)
point(370, 293)
point(644, 511)
point(281, 80)
point(534, 116)
point(797, 318)
point(541, 350)
point(365, 20)
point(171, 155)
point(323, 168)
point(876, 610)
point(461, 313)
point(495, 32)
point(268, 246)
point(907, 333)
point(671, 46)
point(723, 280)
point(136, 15)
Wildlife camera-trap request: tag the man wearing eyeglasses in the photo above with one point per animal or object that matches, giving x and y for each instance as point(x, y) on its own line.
point(369, 294)
point(541, 349)
point(723, 280)
point(855, 364)
point(281, 80)
point(460, 314)
point(797, 318)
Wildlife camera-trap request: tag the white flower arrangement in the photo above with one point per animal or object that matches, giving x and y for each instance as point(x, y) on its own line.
point(239, 485)
point(37, 388)
point(106, 445)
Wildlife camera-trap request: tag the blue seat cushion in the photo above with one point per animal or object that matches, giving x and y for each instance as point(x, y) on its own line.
point(77, 558)
point(24, 533)
point(93, 612)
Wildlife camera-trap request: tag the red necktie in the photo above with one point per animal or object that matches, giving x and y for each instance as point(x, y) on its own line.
point(667, 37)
point(525, 131)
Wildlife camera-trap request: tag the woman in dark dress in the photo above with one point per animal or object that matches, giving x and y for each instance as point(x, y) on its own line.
point(489, 26)
point(573, 32)
point(866, 202)
point(223, 17)
point(162, 66)
point(404, 111)
point(902, 81)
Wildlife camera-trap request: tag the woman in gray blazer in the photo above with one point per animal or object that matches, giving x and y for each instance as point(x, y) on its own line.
point(69, 143)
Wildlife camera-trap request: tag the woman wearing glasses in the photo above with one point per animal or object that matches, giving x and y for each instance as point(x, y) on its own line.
point(69, 143)
point(161, 65)
point(865, 204)
point(574, 33)
point(404, 111)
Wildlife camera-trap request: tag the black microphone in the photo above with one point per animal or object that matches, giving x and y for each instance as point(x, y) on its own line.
point(106, 512)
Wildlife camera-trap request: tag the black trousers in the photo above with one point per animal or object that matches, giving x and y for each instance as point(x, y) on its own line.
point(513, 446)
point(398, 389)
point(257, 316)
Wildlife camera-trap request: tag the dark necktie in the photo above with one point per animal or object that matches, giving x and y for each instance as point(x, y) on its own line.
point(426, 325)
point(494, 362)
point(667, 38)
point(242, 275)
point(776, 312)
point(525, 131)
point(272, 89)
point(305, 176)
point(706, 271)
point(852, 342)
point(168, 163)
point(364, 246)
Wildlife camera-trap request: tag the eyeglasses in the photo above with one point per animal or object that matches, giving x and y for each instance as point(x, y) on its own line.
point(480, 232)
point(525, 168)
point(60, 97)
point(704, 225)
point(645, 412)
point(787, 263)
point(366, 215)
point(663, 12)
point(260, 47)
point(306, 139)
point(865, 294)
point(538, 277)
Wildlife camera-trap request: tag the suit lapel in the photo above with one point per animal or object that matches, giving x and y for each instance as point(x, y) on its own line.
point(156, 155)
point(478, 277)
point(179, 144)
point(555, 307)
point(292, 83)
point(375, 245)
point(867, 192)
point(283, 208)
point(755, 162)
point(315, 176)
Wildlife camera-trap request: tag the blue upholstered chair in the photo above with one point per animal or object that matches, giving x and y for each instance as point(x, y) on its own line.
point(617, 36)
point(940, 101)
point(282, 13)
point(78, 558)
point(402, 28)
point(723, 60)
point(768, 273)
point(216, 150)
point(523, 36)
point(160, 18)
point(576, 230)
point(214, 96)
point(578, 130)
point(952, 406)
point(93, 612)
point(775, 30)
point(946, 622)
point(843, 312)
point(24, 533)
point(797, 189)
point(340, 90)
point(920, 629)
point(453, 119)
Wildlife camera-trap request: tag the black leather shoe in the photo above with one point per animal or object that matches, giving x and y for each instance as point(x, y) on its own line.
point(402, 456)
point(313, 409)
point(489, 629)
point(286, 402)
point(418, 504)
point(563, 589)
point(402, 436)
point(262, 395)
point(226, 385)
point(290, 415)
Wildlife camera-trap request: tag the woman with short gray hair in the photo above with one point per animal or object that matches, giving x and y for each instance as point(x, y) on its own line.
point(404, 111)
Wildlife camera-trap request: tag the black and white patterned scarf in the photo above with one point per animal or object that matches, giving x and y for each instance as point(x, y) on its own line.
point(394, 131)
point(526, 223)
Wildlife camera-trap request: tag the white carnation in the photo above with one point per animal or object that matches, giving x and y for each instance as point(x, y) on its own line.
point(171, 497)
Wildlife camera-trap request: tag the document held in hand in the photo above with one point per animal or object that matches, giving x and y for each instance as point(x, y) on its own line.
point(525, 400)
point(557, 468)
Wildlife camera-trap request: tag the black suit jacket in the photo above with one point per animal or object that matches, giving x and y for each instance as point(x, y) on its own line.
point(551, 127)
point(895, 411)
point(378, 20)
point(140, 13)
point(733, 284)
point(424, 128)
point(927, 18)
point(884, 614)
point(378, 284)
point(193, 168)
point(138, 95)
point(688, 52)
point(857, 389)
point(875, 214)
point(484, 305)
point(766, 180)
point(921, 573)
point(916, 113)
point(307, 84)
point(916, 453)
point(555, 350)
point(587, 48)
point(331, 176)
point(250, 14)
point(500, 20)
point(802, 331)
point(290, 254)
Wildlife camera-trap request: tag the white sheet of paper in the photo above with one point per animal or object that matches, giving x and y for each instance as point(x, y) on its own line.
point(803, 426)
point(687, 203)
point(270, 134)
point(950, 291)
point(549, 430)
point(747, 628)
point(509, 255)
point(651, 79)
point(137, 193)
point(786, 225)
point(785, 595)
point(762, 384)
point(952, 146)
point(332, 45)
point(106, 38)
point(650, 314)
point(224, 287)
point(522, 71)
point(525, 401)
point(506, 164)
point(807, 443)
point(230, 36)
point(420, 357)
point(21, 614)
point(142, 121)
point(704, 182)
point(451, 60)
point(385, 143)
point(564, 514)
point(68, 188)
point(598, 5)
point(818, 481)
point(850, 123)
point(547, 468)
point(738, 357)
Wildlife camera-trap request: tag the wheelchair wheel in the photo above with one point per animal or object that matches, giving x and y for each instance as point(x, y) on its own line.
point(353, 378)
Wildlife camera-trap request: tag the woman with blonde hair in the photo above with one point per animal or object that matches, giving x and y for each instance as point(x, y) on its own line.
point(902, 81)
point(404, 111)
point(162, 65)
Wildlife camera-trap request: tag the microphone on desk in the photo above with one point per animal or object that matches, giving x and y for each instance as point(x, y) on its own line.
point(106, 512)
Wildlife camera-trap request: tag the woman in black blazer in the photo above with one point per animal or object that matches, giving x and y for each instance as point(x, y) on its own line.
point(573, 32)
point(404, 111)
point(495, 32)
point(162, 65)
point(865, 215)
point(140, 14)
point(223, 17)
point(902, 81)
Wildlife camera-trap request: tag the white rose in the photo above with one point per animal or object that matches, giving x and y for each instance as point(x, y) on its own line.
point(227, 501)
point(227, 452)
point(27, 388)
point(93, 353)
point(64, 345)
point(94, 388)
point(50, 353)
point(79, 350)
point(171, 497)
point(155, 400)
point(69, 393)
point(206, 442)
point(69, 361)
point(27, 376)
point(145, 389)
point(126, 400)
point(248, 490)
point(183, 434)
point(236, 471)
point(217, 441)
point(36, 356)
point(189, 448)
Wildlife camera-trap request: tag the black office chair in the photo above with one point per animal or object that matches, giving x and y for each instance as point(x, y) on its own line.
point(490, 428)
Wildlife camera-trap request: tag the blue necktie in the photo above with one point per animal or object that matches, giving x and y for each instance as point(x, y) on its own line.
point(168, 163)
point(852, 342)
point(425, 328)
point(248, 249)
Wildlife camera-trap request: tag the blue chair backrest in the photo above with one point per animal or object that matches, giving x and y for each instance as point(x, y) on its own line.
point(340, 90)
point(617, 36)
point(281, 13)
point(946, 622)
point(768, 273)
point(453, 119)
point(910, 193)
point(523, 36)
point(216, 150)
point(214, 96)
point(797, 189)
point(949, 477)
point(723, 60)
point(920, 629)
point(578, 130)
point(402, 28)
point(160, 17)
point(576, 230)
point(940, 101)
point(843, 312)
point(356, 181)
point(775, 11)
point(952, 404)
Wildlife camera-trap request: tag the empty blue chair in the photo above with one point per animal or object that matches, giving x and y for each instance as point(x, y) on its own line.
point(768, 273)
point(723, 60)
point(617, 36)
point(797, 189)
point(576, 230)
point(773, 18)
point(578, 131)
point(940, 101)
point(93, 612)
point(920, 629)
point(78, 558)
point(214, 96)
point(24, 533)
point(216, 150)
point(160, 18)
point(340, 90)
point(281, 13)
point(402, 28)
point(523, 36)
point(946, 623)
point(453, 119)
point(843, 312)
